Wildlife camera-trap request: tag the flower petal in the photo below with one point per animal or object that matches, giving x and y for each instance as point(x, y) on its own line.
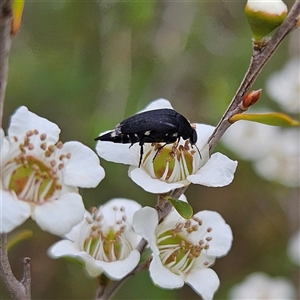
point(76, 232)
point(151, 185)
point(119, 153)
point(129, 207)
point(63, 248)
point(83, 168)
point(205, 282)
point(162, 276)
point(221, 232)
point(120, 268)
point(59, 216)
point(13, 212)
point(203, 132)
point(146, 229)
point(218, 171)
point(158, 104)
point(23, 120)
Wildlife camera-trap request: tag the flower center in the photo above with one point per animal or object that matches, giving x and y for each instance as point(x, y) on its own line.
point(31, 179)
point(177, 252)
point(106, 243)
point(32, 173)
point(171, 163)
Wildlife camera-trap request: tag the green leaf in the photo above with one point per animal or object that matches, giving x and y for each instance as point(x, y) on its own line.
point(18, 237)
point(182, 207)
point(274, 119)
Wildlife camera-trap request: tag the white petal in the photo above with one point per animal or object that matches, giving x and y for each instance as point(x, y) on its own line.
point(158, 104)
point(120, 268)
point(76, 231)
point(151, 185)
point(162, 276)
point(147, 229)
point(205, 282)
point(203, 132)
point(218, 171)
point(23, 120)
point(129, 206)
point(83, 168)
point(63, 248)
point(119, 153)
point(221, 232)
point(59, 216)
point(13, 212)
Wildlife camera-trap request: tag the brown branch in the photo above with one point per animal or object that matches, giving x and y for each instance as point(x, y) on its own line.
point(6, 17)
point(19, 290)
point(258, 61)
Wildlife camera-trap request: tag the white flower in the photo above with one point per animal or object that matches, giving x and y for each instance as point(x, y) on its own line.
point(284, 86)
point(104, 240)
point(274, 151)
point(173, 167)
point(260, 286)
point(40, 175)
point(183, 250)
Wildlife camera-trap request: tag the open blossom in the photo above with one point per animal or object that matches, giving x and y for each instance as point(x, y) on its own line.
point(174, 165)
point(283, 86)
point(260, 286)
point(183, 250)
point(272, 160)
point(40, 175)
point(104, 240)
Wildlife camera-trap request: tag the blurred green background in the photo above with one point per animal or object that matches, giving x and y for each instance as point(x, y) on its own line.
point(86, 65)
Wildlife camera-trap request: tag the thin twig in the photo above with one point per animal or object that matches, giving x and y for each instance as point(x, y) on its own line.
point(6, 16)
point(19, 290)
point(258, 61)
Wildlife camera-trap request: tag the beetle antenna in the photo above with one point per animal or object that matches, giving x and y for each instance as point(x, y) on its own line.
point(158, 151)
point(198, 151)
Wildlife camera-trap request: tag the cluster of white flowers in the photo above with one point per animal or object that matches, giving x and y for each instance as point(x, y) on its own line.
point(40, 177)
point(260, 286)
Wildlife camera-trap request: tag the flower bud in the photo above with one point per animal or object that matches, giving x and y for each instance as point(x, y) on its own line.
point(264, 16)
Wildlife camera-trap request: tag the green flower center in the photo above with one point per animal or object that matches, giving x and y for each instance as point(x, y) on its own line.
point(101, 246)
point(177, 251)
point(171, 163)
point(32, 180)
point(32, 171)
point(107, 240)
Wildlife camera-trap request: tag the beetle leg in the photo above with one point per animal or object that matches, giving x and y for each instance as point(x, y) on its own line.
point(141, 153)
point(159, 148)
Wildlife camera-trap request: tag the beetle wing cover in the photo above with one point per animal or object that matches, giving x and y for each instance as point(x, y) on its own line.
point(163, 120)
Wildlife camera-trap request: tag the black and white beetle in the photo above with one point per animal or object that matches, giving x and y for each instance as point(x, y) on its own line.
point(153, 126)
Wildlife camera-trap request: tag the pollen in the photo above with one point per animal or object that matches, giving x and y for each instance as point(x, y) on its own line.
point(106, 239)
point(170, 162)
point(31, 175)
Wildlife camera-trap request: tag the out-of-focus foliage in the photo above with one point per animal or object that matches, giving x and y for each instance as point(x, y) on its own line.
point(86, 65)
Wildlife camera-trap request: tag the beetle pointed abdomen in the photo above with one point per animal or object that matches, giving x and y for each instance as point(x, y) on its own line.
point(115, 137)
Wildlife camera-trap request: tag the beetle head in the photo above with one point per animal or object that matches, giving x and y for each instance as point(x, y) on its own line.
point(193, 137)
